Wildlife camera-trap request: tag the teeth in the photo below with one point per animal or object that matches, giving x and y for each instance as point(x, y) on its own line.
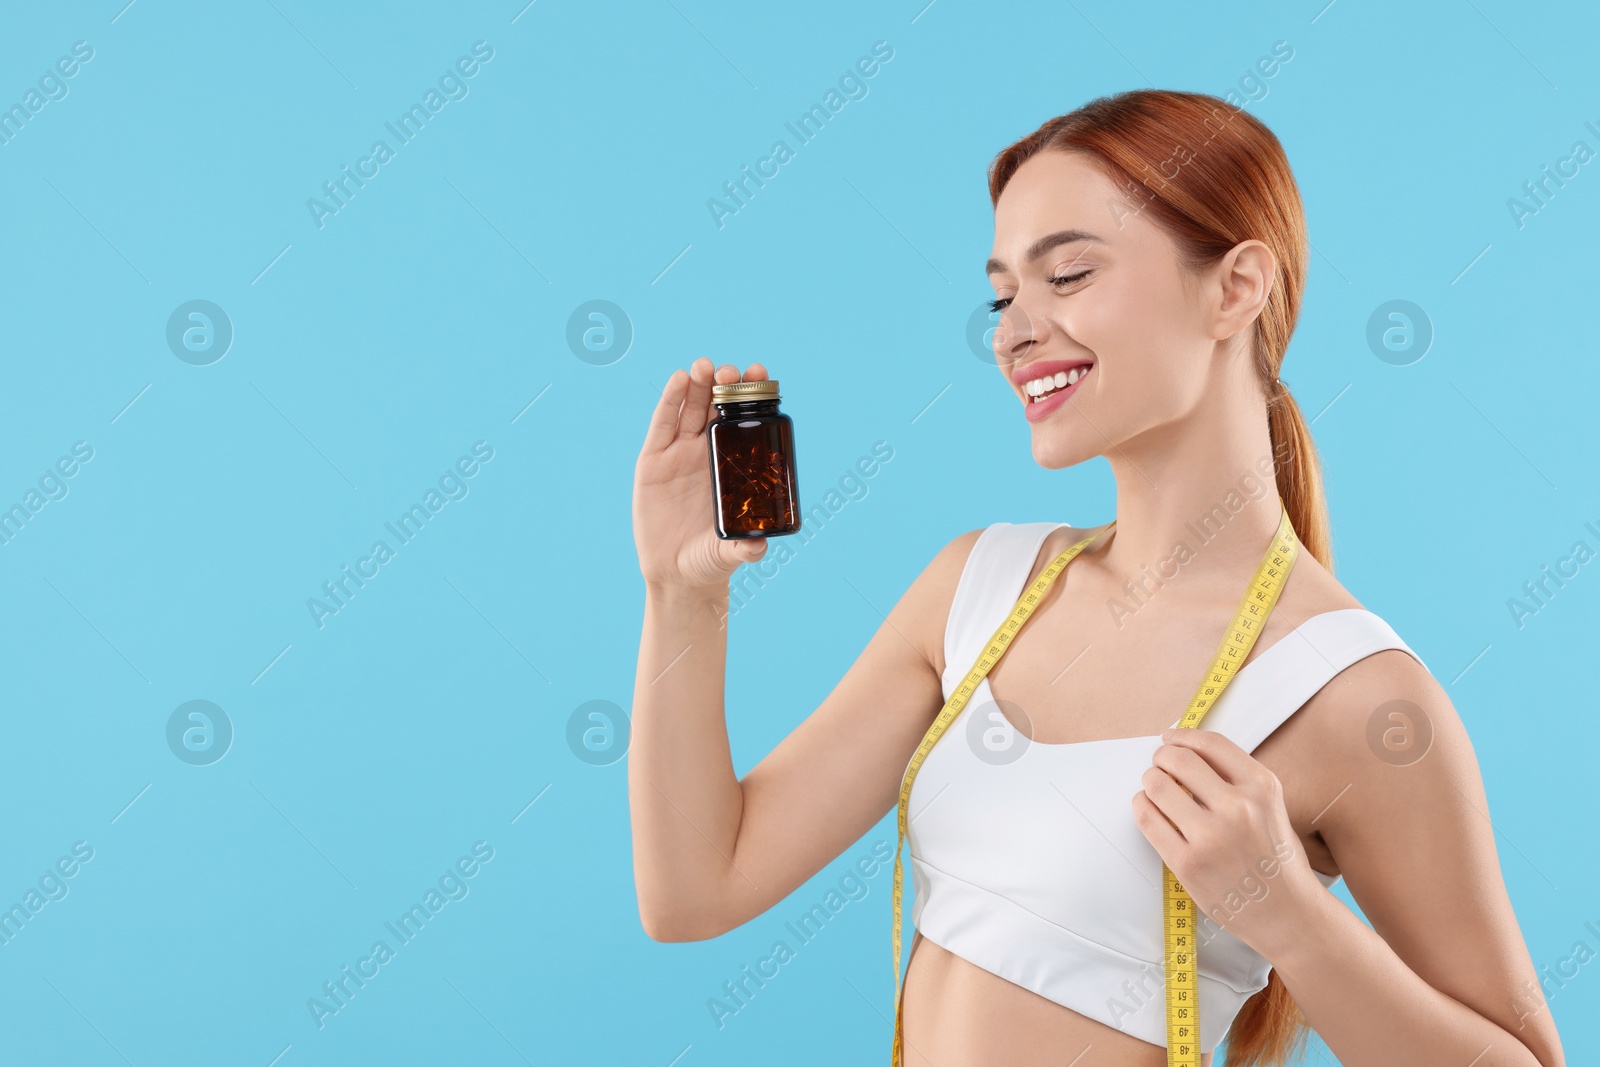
point(1038, 388)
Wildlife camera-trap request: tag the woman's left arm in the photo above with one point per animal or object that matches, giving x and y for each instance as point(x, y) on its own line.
point(1442, 976)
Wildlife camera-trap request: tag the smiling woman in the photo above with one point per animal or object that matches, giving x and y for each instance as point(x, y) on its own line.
point(1061, 834)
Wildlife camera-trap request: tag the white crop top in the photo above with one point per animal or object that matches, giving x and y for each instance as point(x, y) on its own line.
point(1031, 866)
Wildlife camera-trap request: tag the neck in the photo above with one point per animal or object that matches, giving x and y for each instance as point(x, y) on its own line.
point(1205, 483)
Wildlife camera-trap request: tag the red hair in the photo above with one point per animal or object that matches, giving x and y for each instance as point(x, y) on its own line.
point(1211, 176)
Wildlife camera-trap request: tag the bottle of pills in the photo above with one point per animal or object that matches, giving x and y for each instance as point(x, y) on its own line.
point(752, 462)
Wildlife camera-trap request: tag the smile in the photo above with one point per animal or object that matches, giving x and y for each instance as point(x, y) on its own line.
point(1048, 385)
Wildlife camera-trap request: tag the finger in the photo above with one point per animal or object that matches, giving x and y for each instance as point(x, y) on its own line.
point(727, 373)
point(697, 404)
point(1178, 806)
point(752, 549)
point(1191, 771)
point(1233, 763)
point(1161, 834)
point(664, 420)
point(755, 373)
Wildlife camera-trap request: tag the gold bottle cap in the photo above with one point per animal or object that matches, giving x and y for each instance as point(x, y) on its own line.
point(735, 391)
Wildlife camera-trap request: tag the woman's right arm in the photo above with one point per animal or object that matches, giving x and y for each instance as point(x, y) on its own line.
point(711, 851)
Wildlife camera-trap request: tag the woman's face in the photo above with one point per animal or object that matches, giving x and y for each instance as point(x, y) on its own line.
point(1090, 286)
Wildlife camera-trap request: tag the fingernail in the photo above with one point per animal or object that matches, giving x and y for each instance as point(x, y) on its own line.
point(1166, 735)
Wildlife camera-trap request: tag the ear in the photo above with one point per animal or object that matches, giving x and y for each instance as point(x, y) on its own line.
point(1242, 281)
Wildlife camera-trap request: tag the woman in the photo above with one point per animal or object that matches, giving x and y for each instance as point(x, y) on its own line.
point(1149, 257)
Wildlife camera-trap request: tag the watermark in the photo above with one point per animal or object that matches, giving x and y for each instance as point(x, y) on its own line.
point(1538, 592)
point(452, 485)
point(1534, 998)
point(1138, 591)
point(992, 729)
point(737, 993)
point(337, 993)
point(852, 485)
point(983, 325)
point(52, 87)
point(1142, 188)
point(598, 732)
point(199, 733)
point(852, 85)
point(1399, 332)
point(1539, 191)
point(1253, 82)
point(986, 319)
point(52, 887)
point(990, 329)
point(599, 332)
point(52, 486)
point(1150, 988)
point(199, 332)
point(452, 86)
point(1250, 890)
point(992, 732)
point(1399, 732)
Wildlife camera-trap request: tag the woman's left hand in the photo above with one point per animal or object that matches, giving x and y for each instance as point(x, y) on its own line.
point(1231, 844)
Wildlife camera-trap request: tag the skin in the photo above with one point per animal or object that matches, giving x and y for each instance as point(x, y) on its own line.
point(1176, 406)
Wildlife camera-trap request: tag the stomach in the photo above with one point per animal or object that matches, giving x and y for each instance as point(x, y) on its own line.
point(956, 1014)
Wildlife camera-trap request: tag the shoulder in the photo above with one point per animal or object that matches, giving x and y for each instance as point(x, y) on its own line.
point(1384, 738)
point(944, 570)
point(1055, 542)
point(947, 566)
point(926, 605)
point(1311, 590)
point(924, 608)
point(1381, 688)
point(1382, 714)
point(1400, 804)
point(1336, 717)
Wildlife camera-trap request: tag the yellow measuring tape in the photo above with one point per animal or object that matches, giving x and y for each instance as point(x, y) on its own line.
point(1178, 910)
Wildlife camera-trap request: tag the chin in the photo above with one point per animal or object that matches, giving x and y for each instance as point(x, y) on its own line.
point(1055, 452)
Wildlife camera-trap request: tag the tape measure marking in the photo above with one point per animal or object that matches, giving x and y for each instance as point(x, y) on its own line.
point(1178, 908)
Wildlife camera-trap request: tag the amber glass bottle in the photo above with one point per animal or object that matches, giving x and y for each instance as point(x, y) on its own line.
point(752, 462)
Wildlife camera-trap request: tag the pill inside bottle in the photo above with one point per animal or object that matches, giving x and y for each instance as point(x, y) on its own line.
point(752, 462)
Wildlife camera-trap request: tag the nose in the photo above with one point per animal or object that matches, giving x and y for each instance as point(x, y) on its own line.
point(1016, 332)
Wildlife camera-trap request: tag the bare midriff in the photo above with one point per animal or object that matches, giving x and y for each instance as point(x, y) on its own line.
point(956, 1014)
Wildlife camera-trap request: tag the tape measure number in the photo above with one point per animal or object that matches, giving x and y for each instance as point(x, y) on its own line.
point(1179, 922)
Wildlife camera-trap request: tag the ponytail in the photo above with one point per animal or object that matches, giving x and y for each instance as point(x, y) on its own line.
point(1299, 472)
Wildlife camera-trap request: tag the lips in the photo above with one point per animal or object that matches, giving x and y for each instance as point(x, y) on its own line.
point(1054, 396)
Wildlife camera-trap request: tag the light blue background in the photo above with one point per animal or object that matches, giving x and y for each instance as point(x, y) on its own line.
point(431, 311)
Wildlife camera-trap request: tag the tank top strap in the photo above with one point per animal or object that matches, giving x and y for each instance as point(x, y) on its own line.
point(1278, 681)
point(991, 581)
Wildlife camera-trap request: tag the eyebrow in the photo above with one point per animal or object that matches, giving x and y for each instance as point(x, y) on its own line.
point(1043, 245)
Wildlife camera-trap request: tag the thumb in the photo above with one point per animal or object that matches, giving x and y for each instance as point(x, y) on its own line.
point(751, 550)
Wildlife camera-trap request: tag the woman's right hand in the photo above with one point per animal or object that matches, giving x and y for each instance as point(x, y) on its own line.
point(674, 526)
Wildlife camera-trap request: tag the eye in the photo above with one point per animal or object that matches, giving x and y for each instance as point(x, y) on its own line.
point(1005, 302)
